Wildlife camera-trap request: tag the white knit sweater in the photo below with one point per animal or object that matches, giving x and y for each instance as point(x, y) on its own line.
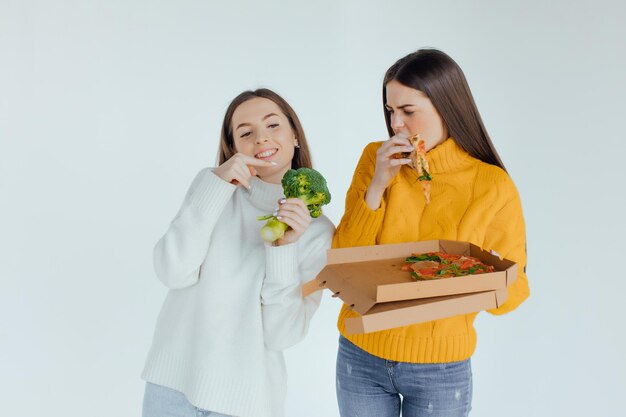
point(234, 302)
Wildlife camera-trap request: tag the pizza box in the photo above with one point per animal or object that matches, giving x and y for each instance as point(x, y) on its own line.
point(366, 276)
point(370, 281)
point(403, 313)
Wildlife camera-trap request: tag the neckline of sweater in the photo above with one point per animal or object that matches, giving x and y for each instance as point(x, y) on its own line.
point(263, 194)
point(447, 156)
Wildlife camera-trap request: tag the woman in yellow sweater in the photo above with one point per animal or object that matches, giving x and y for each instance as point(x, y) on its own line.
point(424, 369)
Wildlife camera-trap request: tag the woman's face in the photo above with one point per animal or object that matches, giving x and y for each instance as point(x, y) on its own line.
point(261, 130)
point(412, 112)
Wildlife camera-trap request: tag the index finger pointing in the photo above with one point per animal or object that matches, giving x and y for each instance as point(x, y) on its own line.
point(249, 160)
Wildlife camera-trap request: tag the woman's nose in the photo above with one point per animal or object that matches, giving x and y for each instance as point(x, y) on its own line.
point(262, 138)
point(396, 122)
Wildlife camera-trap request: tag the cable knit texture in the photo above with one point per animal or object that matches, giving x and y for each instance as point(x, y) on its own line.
point(471, 201)
point(235, 302)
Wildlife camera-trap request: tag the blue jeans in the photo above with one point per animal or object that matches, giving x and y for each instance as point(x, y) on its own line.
point(369, 386)
point(160, 401)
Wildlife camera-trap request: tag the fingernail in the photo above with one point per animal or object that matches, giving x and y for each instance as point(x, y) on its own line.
point(275, 213)
point(283, 201)
point(279, 217)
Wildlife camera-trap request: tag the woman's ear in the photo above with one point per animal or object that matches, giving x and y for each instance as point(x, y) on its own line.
point(295, 142)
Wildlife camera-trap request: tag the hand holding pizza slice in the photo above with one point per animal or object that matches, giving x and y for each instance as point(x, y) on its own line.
point(419, 163)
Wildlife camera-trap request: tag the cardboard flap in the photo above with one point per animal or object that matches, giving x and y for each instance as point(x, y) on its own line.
point(403, 313)
point(442, 286)
point(453, 247)
point(511, 274)
point(357, 300)
point(501, 297)
point(310, 287)
point(490, 259)
point(387, 251)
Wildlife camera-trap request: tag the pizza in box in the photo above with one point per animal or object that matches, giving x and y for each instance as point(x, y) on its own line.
point(433, 265)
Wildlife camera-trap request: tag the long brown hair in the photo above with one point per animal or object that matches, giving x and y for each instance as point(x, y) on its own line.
point(437, 75)
point(302, 155)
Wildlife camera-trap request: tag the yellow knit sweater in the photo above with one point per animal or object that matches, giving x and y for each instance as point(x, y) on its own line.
point(471, 201)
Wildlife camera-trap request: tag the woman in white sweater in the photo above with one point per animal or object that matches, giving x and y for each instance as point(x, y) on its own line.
point(235, 302)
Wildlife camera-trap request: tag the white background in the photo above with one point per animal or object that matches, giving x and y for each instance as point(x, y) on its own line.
point(109, 108)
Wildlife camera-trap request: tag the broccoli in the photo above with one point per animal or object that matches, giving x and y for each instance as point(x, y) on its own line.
point(306, 184)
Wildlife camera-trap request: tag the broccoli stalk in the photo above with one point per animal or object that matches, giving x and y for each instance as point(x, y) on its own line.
point(306, 184)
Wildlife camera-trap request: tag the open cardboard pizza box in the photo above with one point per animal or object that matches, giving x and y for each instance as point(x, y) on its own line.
point(369, 280)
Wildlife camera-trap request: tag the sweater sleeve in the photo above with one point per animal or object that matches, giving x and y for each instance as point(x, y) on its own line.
point(286, 314)
point(179, 254)
point(360, 225)
point(506, 235)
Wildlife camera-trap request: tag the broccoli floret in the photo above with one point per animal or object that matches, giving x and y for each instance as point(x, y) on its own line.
point(306, 184)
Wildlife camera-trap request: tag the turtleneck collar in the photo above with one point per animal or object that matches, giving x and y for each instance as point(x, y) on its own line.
point(447, 156)
point(264, 194)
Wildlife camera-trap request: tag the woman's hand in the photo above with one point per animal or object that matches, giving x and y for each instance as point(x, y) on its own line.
point(387, 167)
point(294, 213)
point(239, 168)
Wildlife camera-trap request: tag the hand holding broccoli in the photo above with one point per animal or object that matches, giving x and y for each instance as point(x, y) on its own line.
point(291, 218)
point(310, 187)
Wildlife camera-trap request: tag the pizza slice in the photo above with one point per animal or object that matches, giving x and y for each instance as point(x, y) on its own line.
point(420, 164)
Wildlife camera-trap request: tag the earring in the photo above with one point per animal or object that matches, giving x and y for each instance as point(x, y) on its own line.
point(295, 143)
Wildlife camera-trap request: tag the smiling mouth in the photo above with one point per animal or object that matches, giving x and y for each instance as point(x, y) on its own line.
point(266, 153)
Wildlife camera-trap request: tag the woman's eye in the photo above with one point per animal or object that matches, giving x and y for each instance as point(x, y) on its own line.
point(273, 126)
point(408, 113)
point(243, 135)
